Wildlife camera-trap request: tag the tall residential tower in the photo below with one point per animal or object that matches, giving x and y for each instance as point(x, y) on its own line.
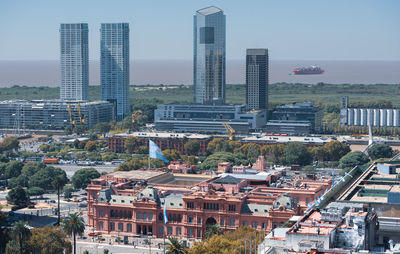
point(209, 56)
point(257, 78)
point(114, 62)
point(74, 62)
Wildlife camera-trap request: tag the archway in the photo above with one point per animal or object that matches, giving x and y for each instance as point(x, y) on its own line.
point(211, 221)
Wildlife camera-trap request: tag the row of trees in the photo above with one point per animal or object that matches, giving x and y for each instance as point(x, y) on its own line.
point(51, 240)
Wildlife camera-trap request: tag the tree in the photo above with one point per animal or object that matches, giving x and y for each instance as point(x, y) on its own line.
point(20, 234)
point(68, 191)
point(9, 144)
point(35, 191)
point(218, 145)
point(102, 128)
point(171, 154)
point(211, 230)
point(4, 231)
point(81, 178)
point(13, 169)
point(175, 246)
point(80, 129)
point(309, 170)
point(379, 151)
point(192, 147)
point(335, 150)
point(44, 177)
point(131, 144)
point(74, 225)
point(211, 163)
point(297, 153)
point(50, 240)
point(58, 183)
point(18, 196)
point(252, 151)
point(353, 159)
point(91, 146)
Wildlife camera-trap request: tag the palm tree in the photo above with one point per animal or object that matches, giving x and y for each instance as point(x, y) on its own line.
point(211, 230)
point(58, 182)
point(73, 225)
point(20, 233)
point(175, 246)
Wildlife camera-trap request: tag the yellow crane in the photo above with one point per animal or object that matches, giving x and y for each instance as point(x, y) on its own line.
point(135, 116)
point(83, 120)
point(70, 116)
point(230, 130)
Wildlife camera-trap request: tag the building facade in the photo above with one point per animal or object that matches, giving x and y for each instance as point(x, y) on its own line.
point(74, 62)
point(209, 75)
point(53, 114)
point(131, 208)
point(207, 118)
point(257, 78)
point(302, 113)
point(368, 116)
point(114, 66)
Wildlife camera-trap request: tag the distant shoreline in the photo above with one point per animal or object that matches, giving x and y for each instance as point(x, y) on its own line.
point(46, 72)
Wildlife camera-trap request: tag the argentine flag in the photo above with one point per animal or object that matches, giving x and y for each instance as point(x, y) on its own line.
point(155, 152)
point(165, 213)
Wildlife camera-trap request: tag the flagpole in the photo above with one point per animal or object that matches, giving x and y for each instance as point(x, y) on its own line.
point(149, 155)
point(165, 222)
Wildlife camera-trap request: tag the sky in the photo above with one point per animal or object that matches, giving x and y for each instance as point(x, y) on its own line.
point(163, 30)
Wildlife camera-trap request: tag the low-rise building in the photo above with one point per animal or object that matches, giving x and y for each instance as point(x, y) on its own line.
point(207, 118)
point(131, 204)
point(53, 114)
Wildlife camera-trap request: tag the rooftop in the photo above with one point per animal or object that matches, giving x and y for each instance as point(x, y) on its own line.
point(135, 174)
point(228, 179)
point(209, 10)
point(142, 134)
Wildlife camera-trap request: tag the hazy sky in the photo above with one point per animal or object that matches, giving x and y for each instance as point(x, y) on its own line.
point(163, 29)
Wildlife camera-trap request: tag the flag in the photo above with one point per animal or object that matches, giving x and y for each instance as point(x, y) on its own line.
point(165, 213)
point(155, 152)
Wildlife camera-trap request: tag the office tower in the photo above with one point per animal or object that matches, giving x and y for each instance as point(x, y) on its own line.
point(257, 78)
point(344, 102)
point(74, 62)
point(209, 56)
point(114, 62)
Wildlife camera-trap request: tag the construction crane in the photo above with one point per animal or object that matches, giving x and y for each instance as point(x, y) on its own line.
point(81, 119)
point(73, 122)
point(135, 116)
point(230, 130)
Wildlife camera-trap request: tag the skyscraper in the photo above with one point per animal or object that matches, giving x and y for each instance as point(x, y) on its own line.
point(74, 62)
point(257, 78)
point(209, 56)
point(114, 71)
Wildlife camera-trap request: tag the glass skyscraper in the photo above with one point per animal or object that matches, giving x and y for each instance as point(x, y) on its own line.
point(74, 62)
point(257, 78)
point(114, 62)
point(209, 56)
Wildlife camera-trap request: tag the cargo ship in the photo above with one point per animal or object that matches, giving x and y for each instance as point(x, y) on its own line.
point(308, 70)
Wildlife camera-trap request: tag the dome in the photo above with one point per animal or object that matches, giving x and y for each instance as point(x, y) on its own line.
point(284, 200)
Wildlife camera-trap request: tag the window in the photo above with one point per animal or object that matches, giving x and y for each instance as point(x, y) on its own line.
point(161, 229)
point(178, 231)
point(169, 230)
point(198, 220)
point(275, 225)
point(121, 227)
point(138, 215)
point(222, 223)
point(190, 233)
point(112, 226)
point(190, 205)
point(190, 219)
point(101, 213)
point(198, 233)
point(232, 208)
point(244, 223)
point(264, 225)
point(129, 227)
point(100, 225)
point(144, 216)
point(254, 224)
point(150, 216)
point(206, 35)
point(232, 222)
